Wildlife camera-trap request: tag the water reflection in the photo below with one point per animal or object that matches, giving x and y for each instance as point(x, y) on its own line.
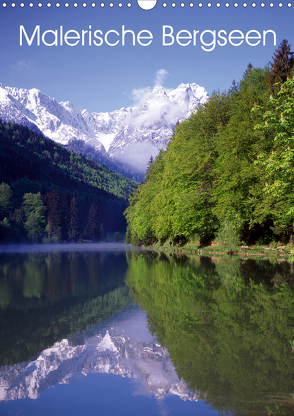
point(49, 336)
point(47, 296)
point(219, 330)
point(115, 347)
point(227, 324)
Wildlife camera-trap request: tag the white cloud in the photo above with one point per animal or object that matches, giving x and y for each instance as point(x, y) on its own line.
point(138, 155)
point(155, 109)
point(160, 76)
point(159, 111)
point(21, 65)
point(140, 94)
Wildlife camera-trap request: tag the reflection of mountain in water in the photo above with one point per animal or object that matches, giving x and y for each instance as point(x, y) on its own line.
point(123, 347)
point(47, 296)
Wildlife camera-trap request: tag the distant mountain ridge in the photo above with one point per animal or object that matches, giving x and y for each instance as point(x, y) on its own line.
point(129, 135)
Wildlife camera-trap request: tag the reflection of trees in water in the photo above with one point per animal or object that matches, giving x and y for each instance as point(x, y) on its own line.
point(56, 277)
point(34, 277)
point(73, 270)
point(94, 264)
point(227, 333)
point(49, 296)
point(6, 293)
point(52, 274)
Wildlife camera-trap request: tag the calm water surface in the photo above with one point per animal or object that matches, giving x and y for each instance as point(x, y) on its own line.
point(104, 330)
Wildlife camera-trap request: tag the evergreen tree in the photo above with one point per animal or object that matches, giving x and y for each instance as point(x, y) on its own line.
point(65, 215)
point(52, 201)
point(233, 87)
point(249, 67)
point(149, 168)
point(74, 228)
point(92, 229)
point(84, 212)
point(280, 67)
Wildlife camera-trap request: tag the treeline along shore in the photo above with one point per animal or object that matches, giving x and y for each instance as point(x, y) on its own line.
point(228, 170)
point(50, 194)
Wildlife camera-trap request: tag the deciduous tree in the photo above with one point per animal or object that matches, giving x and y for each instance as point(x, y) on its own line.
point(35, 215)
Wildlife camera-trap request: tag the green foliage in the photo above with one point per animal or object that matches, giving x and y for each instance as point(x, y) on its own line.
point(37, 158)
point(34, 215)
point(278, 123)
point(237, 178)
point(5, 199)
point(232, 160)
point(227, 235)
point(276, 409)
point(208, 171)
point(5, 229)
point(140, 212)
point(128, 235)
point(227, 335)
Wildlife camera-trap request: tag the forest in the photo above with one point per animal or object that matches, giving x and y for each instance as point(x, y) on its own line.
point(50, 194)
point(229, 166)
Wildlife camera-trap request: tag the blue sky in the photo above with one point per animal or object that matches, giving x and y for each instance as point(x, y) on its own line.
point(103, 78)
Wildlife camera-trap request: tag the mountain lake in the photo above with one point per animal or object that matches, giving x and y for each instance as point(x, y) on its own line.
point(110, 329)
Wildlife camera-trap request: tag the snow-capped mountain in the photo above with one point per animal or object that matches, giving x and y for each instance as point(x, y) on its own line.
point(130, 134)
point(123, 349)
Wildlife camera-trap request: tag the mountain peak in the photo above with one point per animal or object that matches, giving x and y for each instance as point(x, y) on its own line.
point(158, 88)
point(35, 91)
point(148, 127)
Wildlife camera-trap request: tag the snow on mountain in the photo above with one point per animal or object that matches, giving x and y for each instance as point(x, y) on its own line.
point(108, 350)
point(129, 135)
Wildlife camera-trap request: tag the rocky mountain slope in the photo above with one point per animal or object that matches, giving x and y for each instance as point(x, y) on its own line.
point(129, 135)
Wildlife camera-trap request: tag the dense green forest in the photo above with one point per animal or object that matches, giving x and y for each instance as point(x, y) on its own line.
point(230, 165)
point(50, 193)
point(228, 325)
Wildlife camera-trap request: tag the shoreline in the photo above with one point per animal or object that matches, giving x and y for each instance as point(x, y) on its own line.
point(244, 254)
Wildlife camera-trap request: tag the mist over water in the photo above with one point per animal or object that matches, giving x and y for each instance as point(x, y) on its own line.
point(74, 247)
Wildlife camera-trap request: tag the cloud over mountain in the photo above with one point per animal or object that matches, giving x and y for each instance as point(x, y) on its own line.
point(148, 124)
